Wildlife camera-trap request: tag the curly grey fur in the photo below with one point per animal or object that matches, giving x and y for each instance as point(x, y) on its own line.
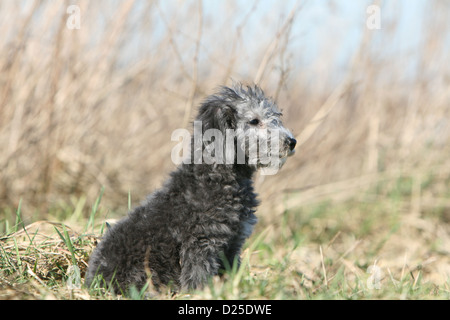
point(202, 214)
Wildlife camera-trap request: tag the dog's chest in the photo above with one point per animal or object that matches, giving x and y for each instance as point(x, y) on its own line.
point(248, 204)
point(246, 225)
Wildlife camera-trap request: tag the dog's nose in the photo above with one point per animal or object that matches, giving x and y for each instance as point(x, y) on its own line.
point(292, 142)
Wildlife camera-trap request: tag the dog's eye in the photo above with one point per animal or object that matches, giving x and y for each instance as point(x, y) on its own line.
point(254, 122)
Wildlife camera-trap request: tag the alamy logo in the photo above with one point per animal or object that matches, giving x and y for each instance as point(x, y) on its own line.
point(259, 147)
point(374, 280)
point(74, 20)
point(373, 21)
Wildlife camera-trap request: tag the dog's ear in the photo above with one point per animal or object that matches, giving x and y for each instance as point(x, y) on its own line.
point(216, 114)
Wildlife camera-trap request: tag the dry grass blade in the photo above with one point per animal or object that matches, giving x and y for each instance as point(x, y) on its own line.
point(323, 267)
point(320, 116)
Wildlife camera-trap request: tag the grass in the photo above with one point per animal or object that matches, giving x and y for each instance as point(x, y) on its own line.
point(366, 247)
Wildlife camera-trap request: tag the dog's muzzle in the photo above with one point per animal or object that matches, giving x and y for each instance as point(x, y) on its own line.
point(291, 142)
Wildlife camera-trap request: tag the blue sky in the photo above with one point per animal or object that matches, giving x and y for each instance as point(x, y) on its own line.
point(324, 25)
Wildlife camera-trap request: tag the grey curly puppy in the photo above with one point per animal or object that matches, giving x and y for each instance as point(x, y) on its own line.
point(198, 221)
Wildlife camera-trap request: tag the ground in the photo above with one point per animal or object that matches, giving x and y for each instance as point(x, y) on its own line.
point(372, 245)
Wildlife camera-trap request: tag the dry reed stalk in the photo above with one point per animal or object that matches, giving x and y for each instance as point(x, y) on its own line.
point(194, 82)
point(238, 38)
point(268, 54)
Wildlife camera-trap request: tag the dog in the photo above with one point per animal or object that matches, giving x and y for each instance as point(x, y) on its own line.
point(197, 223)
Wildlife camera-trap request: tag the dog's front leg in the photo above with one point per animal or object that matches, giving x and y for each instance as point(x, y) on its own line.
point(199, 259)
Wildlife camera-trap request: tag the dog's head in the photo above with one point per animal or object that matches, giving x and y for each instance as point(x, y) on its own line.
point(219, 111)
point(254, 121)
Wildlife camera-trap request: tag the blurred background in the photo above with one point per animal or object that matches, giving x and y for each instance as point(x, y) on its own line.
point(92, 103)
